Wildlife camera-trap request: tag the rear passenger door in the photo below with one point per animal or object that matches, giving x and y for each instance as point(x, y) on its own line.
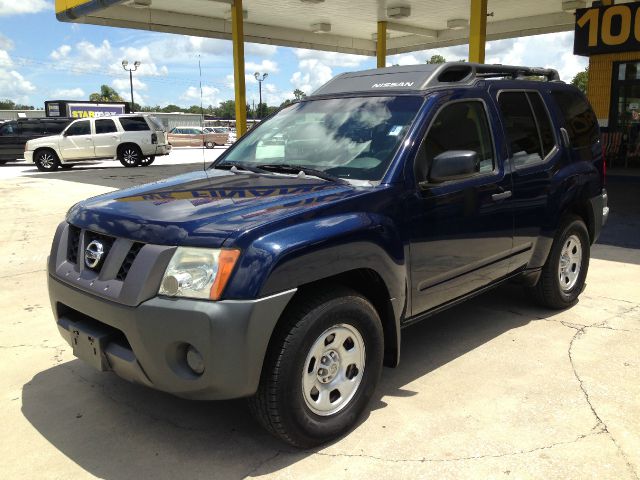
point(535, 156)
point(461, 229)
point(106, 139)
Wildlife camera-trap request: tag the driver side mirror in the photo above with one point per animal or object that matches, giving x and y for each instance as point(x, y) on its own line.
point(454, 165)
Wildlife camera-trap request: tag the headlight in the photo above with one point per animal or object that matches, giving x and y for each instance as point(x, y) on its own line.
point(198, 272)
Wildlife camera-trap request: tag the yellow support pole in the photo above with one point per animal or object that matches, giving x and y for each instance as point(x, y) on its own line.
point(381, 44)
point(477, 30)
point(237, 37)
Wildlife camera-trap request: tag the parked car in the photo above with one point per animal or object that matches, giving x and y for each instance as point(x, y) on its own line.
point(196, 137)
point(227, 130)
point(14, 134)
point(135, 140)
point(287, 274)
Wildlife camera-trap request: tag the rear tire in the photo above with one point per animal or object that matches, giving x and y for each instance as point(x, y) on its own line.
point(46, 160)
point(322, 367)
point(209, 144)
point(129, 155)
point(563, 275)
point(146, 161)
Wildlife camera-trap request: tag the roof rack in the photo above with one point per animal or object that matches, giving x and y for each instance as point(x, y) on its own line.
point(426, 76)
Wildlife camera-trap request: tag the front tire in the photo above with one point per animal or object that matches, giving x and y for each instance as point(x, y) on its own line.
point(563, 275)
point(46, 161)
point(129, 156)
point(209, 144)
point(321, 369)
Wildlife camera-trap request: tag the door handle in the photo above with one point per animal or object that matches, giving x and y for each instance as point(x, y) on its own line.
point(501, 196)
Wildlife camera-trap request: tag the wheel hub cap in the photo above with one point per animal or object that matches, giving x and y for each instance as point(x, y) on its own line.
point(333, 370)
point(570, 262)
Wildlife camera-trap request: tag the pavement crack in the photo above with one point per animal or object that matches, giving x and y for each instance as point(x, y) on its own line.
point(461, 459)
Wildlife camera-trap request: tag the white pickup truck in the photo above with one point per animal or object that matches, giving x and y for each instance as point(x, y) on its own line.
point(135, 140)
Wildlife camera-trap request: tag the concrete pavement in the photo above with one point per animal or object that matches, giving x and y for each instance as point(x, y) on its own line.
point(494, 388)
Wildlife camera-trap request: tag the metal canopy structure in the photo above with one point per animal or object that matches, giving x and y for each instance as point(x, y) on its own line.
point(365, 27)
point(352, 24)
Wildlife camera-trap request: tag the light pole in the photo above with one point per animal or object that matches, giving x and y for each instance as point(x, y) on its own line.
point(260, 80)
point(136, 64)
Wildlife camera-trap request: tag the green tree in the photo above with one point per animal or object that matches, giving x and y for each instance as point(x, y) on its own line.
point(106, 94)
point(7, 104)
point(172, 108)
point(299, 94)
point(581, 80)
point(227, 110)
point(435, 59)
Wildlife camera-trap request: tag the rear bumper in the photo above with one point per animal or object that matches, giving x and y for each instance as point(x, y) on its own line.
point(147, 344)
point(163, 150)
point(600, 211)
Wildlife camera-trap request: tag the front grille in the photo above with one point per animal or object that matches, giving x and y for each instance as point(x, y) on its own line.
point(128, 261)
point(105, 240)
point(73, 244)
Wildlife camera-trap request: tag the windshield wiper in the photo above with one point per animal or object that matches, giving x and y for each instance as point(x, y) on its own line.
point(289, 168)
point(239, 166)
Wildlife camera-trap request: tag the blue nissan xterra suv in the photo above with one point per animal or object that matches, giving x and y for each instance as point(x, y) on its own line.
point(286, 271)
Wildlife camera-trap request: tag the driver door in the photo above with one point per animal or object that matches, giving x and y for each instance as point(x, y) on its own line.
point(461, 228)
point(77, 141)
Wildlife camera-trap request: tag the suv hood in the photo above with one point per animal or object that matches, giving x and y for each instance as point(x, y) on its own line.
point(204, 208)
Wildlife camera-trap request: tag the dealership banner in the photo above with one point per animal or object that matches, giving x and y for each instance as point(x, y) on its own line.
point(85, 110)
point(607, 29)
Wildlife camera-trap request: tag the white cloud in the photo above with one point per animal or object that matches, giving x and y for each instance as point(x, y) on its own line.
point(13, 85)
point(123, 86)
point(209, 95)
point(266, 66)
point(552, 50)
point(312, 74)
point(5, 43)
point(69, 93)
point(17, 7)
point(61, 52)
point(330, 59)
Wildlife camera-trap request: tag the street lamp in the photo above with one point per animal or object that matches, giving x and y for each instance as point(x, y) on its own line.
point(136, 64)
point(260, 80)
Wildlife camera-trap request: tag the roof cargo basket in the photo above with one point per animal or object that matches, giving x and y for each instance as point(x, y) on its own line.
point(411, 78)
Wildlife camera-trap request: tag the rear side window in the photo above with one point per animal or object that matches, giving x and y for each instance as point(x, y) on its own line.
point(54, 127)
point(32, 128)
point(134, 124)
point(547, 138)
point(579, 119)
point(105, 126)
point(523, 134)
point(79, 128)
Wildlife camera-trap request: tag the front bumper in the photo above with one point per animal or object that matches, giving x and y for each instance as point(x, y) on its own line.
point(146, 344)
point(28, 156)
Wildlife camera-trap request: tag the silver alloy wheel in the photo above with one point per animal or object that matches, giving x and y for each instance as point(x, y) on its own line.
point(570, 263)
point(47, 160)
point(333, 370)
point(130, 156)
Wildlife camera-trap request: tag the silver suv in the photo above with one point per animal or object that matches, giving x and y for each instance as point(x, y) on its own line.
point(135, 140)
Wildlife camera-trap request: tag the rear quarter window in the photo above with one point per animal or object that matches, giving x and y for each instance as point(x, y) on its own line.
point(579, 119)
point(134, 124)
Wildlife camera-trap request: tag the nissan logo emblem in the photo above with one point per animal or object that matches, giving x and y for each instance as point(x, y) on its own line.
point(93, 254)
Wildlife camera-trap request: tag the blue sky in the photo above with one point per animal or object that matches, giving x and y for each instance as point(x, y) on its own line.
point(41, 58)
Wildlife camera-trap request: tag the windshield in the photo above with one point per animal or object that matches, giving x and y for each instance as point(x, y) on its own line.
point(352, 138)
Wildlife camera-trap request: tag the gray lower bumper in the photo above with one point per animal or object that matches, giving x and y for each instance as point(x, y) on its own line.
point(149, 341)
